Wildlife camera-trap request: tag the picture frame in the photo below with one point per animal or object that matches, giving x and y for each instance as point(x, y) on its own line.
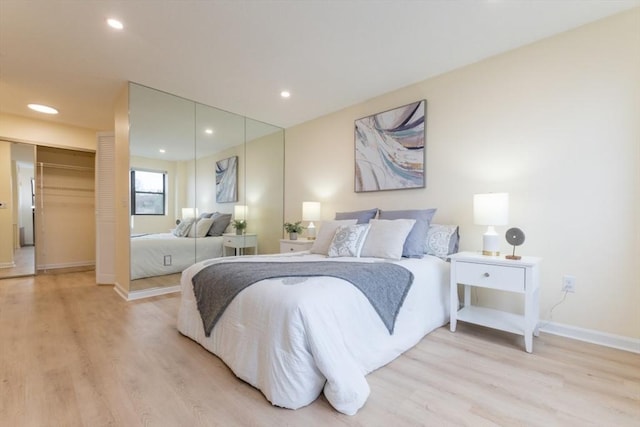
point(227, 180)
point(390, 149)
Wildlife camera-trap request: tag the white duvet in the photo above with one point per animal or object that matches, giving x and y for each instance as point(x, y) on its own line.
point(148, 253)
point(293, 338)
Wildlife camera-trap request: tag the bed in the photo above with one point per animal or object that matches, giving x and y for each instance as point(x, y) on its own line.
point(292, 341)
point(149, 253)
point(295, 335)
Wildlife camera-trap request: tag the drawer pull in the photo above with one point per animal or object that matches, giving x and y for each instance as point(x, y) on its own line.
point(486, 274)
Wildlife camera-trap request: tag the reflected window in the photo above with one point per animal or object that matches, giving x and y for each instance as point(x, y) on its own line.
point(148, 192)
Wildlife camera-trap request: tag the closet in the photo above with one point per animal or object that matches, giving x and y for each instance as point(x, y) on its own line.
point(64, 209)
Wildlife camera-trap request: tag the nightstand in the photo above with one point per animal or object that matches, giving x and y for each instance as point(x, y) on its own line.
point(239, 242)
point(519, 276)
point(298, 245)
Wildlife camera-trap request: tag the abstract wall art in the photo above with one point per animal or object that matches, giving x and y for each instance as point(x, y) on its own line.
point(227, 180)
point(390, 149)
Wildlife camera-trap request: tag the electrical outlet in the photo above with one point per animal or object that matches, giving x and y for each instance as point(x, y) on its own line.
point(568, 283)
point(167, 260)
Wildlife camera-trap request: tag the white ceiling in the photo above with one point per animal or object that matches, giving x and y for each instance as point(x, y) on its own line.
point(239, 55)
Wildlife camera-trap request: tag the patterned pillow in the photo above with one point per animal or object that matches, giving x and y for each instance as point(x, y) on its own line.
point(442, 240)
point(182, 230)
point(325, 235)
point(348, 240)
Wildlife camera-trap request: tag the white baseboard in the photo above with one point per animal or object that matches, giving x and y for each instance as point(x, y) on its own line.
point(146, 293)
point(591, 336)
point(66, 265)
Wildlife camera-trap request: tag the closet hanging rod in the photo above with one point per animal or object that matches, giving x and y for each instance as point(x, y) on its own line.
point(68, 167)
point(53, 187)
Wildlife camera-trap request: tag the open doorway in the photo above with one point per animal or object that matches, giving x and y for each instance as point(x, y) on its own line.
point(20, 253)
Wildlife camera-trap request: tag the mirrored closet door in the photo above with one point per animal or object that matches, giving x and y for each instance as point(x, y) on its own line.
point(208, 162)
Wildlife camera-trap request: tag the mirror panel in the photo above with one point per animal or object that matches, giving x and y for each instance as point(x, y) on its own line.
point(197, 138)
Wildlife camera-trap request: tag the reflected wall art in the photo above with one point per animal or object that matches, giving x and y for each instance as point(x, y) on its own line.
point(226, 180)
point(390, 149)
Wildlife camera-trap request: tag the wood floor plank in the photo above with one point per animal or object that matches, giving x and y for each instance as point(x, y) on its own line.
point(75, 354)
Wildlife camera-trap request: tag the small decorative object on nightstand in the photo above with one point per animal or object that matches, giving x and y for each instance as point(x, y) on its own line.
point(515, 237)
point(520, 276)
point(239, 243)
point(298, 245)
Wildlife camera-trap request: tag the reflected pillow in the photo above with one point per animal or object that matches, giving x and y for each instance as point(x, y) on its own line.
point(363, 217)
point(415, 245)
point(348, 240)
point(182, 230)
point(201, 227)
point(220, 223)
point(386, 238)
point(442, 240)
point(325, 235)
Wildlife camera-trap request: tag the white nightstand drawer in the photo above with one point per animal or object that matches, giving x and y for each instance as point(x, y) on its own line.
point(295, 245)
point(491, 276)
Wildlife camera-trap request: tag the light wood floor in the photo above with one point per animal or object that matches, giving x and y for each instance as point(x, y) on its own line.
point(24, 260)
point(76, 354)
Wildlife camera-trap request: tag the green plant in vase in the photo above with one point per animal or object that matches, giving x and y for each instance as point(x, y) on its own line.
point(293, 228)
point(240, 225)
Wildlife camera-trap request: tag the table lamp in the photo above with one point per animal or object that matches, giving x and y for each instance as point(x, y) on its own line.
point(311, 212)
point(491, 209)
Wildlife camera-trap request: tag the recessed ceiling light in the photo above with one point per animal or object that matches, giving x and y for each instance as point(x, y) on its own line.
point(162, 150)
point(115, 24)
point(285, 94)
point(43, 109)
point(208, 131)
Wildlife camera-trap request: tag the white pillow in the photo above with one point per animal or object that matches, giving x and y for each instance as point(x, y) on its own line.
point(386, 238)
point(348, 240)
point(201, 227)
point(326, 233)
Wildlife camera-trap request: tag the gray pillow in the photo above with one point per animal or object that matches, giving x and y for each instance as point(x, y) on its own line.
point(363, 217)
point(220, 223)
point(415, 244)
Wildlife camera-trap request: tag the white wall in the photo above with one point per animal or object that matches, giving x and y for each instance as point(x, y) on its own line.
point(556, 125)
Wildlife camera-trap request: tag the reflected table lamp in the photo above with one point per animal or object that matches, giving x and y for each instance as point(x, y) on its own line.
point(491, 209)
point(311, 212)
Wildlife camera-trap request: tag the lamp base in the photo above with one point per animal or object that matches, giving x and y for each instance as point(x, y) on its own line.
point(514, 257)
point(490, 243)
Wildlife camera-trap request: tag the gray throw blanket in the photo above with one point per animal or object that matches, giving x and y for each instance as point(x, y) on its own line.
point(384, 284)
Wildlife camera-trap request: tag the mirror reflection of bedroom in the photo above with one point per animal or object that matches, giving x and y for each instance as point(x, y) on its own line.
point(195, 169)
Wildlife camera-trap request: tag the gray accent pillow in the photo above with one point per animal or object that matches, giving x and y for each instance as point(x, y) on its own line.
point(220, 223)
point(442, 240)
point(415, 246)
point(363, 217)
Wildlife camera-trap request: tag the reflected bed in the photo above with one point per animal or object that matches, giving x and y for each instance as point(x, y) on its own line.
point(163, 253)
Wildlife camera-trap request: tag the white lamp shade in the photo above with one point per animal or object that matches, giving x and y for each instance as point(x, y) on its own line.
point(240, 212)
point(310, 211)
point(189, 213)
point(491, 209)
